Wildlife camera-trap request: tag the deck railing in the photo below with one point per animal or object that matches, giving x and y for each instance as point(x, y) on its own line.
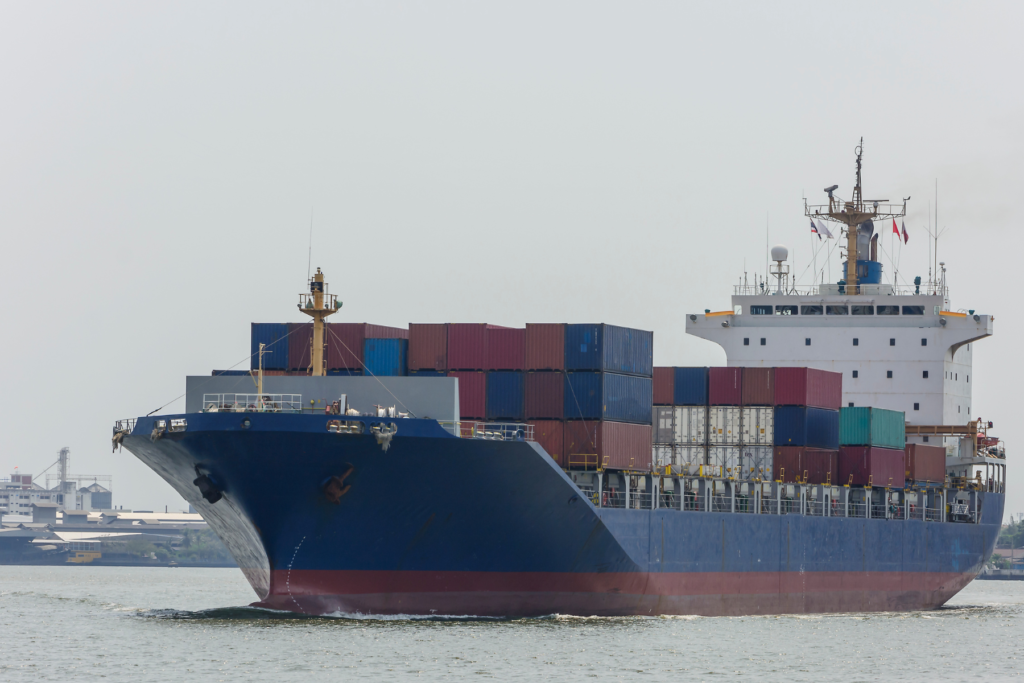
point(490, 431)
point(252, 403)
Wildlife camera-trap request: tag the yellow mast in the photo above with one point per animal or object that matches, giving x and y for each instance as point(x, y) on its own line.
point(318, 304)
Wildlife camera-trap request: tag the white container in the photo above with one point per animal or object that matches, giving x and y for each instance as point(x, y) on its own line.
point(663, 456)
point(727, 458)
point(680, 425)
point(691, 455)
point(757, 426)
point(756, 462)
point(724, 425)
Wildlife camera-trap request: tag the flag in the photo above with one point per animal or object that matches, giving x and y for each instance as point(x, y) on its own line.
point(815, 230)
point(906, 237)
point(822, 230)
point(895, 229)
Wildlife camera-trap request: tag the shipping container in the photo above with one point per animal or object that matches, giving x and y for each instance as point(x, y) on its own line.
point(758, 386)
point(872, 427)
point(663, 425)
point(690, 387)
point(664, 386)
point(871, 466)
point(681, 425)
point(724, 386)
point(757, 426)
point(428, 346)
point(615, 445)
point(800, 426)
point(724, 426)
point(545, 346)
point(663, 455)
point(808, 387)
point(607, 396)
point(300, 347)
point(505, 395)
point(472, 394)
point(506, 348)
point(467, 346)
point(798, 464)
point(345, 342)
point(925, 464)
point(609, 348)
point(386, 357)
point(756, 462)
point(724, 460)
point(544, 395)
point(275, 337)
point(550, 434)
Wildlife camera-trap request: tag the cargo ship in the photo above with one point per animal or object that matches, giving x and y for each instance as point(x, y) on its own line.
point(834, 465)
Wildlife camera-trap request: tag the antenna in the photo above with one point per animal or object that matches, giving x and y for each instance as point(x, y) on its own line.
point(309, 262)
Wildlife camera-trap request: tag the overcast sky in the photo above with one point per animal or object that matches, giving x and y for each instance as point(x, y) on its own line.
point(548, 161)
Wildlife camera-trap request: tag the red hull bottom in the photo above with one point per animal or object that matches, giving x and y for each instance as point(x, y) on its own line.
point(498, 594)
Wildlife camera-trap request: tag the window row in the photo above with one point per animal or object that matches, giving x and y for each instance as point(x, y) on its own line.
point(807, 341)
point(835, 309)
point(888, 374)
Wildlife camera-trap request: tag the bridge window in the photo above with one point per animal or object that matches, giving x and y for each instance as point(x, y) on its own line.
point(892, 342)
point(763, 341)
point(811, 310)
point(807, 342)
point(863, 310)
point(924, 342)
point(760, 310)
point(856, 374)
point(785, 310)
point(888, 310)
point(837, 310)
point(925, 374)
point(913, 310)
point(917, 406)
point(746, 341)
point(856, 341)
point(888, 374)
point(851, 404)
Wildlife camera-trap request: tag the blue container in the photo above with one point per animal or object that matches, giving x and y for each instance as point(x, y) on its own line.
point(608, 396)
point(802, 426)
point(691, 387)
point(428, 373)
point(275, 336)
point(505, 396)
point(386, 357)
point(229, 373)
point(609, 348)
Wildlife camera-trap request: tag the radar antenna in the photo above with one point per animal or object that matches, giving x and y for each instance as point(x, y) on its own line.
point(851, 214)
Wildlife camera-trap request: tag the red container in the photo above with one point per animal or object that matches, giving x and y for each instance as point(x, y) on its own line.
point(428, 346)
point(345, 342)
point(758, 386)
point(300, 345)
point(472, 394)
point(506, 348)
point(870, 465)
point(725, 386)
point(550, 434)
point(467, 346)
point(925, 464)
point(792, 464)
point(545, 346)
point(808, 387)
point(616, 445)
point(664, 386)
point(544, 395)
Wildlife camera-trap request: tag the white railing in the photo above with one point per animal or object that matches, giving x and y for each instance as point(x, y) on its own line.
point(925, 289)
point(490, 431)
point(252, 403)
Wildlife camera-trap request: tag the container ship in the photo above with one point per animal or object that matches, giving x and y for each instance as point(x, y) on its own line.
point(834, 465)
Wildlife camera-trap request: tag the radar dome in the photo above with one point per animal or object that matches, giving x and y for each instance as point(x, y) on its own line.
point(779, 253)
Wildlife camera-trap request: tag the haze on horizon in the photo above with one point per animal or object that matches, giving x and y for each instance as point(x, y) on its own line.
point(528, 162)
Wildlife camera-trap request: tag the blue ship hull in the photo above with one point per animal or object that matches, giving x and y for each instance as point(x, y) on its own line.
point(442, 525)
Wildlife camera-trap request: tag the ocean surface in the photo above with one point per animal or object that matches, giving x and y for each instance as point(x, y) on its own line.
point(156, 624)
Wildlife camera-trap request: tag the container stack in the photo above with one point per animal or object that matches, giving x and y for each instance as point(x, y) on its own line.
point(725, 398)
point(806, 438)
point(545, 386)
point(872, 443)
point(757, 423)
point(680, 418)
point(925, 465)
point(607, 397)
point(289, 348)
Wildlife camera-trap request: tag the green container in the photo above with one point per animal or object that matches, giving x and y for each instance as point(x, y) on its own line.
point(872, 427)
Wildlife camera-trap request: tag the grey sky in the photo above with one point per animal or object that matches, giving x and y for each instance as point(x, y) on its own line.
point(464, 162)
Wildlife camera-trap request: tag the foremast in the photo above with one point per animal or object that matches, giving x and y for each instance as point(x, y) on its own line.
point(318, 304)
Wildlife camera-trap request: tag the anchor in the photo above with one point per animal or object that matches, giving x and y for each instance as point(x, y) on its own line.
point(335, 487)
